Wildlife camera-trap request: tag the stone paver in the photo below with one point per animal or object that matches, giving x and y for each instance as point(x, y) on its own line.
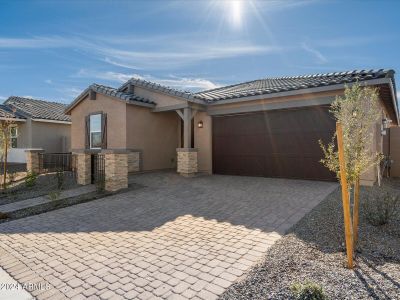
point(176, 238)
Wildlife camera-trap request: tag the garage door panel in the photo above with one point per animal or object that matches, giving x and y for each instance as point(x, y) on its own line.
point(281, 143)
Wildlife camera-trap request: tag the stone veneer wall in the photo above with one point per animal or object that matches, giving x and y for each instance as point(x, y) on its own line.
point(187, 161)
point(83, 168)
point(32, 160)
point(134, 161)
point(116, 170)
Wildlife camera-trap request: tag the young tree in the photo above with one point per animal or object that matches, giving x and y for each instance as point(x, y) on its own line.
point(6, 124)
point(358, 113)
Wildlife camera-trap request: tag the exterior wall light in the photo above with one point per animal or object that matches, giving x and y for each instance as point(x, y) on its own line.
point(200, 124)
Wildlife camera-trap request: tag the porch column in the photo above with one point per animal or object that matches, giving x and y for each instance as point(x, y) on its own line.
point(83, 166)
point(134, 160)
point(32, 160)
point(187, 127)
point(116, 169)
point(187, 156)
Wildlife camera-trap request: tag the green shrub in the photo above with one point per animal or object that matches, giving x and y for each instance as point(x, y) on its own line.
point(54, 195)
point(308, 291)
point(60, 179)
point(30, 179)
point(381, 205)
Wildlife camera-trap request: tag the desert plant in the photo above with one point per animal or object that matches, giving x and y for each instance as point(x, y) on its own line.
point(60, 176)
point(380, 206)
point(11, 177)
point(30, 179)
point(54, 195)
point(357, 115)
point(308, 291)
point(6, 126)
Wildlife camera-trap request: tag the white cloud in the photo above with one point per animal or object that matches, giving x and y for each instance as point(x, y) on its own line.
point(48, 81)
point(160, 52)
point(318, 55)
point(177, 55)
point(182, 83)
point(2, 98)
point(398, 95)
point(69, 92)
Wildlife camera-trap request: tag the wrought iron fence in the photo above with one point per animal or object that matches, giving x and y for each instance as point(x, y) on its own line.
point(98, 170)
point(54, 162)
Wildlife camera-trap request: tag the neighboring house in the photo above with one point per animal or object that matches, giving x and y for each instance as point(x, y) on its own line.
point(39, 125)
point(268, 127)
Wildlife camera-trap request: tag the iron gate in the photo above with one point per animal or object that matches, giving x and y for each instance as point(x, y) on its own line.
point(54, 162)
point(98, 170)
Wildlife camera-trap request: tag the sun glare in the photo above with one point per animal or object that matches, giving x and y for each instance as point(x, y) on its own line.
point(236, 10)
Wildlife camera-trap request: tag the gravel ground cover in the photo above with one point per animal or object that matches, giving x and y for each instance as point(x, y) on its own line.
point(314, 251)
point(44, 185)
point(61, 203)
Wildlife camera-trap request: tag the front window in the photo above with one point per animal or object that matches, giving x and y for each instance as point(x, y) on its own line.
point(13, 136)
point(95, 131)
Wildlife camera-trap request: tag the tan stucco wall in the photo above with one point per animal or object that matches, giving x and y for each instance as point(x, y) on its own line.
point(155, 134)
point(51, 137)
point(157, 97)
point(203, 141)
point(23, 140)
point(116, 121)
point(394, 140)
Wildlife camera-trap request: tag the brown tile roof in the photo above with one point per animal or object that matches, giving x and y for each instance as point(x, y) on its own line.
point(283, 84)
point(38, 109)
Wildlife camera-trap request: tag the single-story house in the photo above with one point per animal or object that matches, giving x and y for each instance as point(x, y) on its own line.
point(39, 124)
point(268, 127)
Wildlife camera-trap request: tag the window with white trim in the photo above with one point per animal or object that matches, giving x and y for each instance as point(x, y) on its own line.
point(95, 131)
point(13, 136)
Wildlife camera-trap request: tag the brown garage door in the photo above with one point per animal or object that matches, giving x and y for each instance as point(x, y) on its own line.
point(279, 143)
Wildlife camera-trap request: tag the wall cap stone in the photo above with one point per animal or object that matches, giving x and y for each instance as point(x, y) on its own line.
point(187, 150)
point(115, 151)
point(34, 150)
point(85, 151)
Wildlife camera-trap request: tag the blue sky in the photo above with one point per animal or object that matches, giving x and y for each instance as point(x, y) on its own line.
point(54, 49)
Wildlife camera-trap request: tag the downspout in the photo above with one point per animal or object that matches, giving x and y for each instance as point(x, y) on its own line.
point(394, 97)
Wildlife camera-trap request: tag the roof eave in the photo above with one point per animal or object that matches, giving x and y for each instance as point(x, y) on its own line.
point(299, 91)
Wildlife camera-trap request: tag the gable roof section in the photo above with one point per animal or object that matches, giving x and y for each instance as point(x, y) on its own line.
point(38, 109)
point(7, 112)
point(109, 91)
point(158, 87)
point(284, 84)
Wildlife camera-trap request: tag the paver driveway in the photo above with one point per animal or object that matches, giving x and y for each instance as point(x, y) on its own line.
point(174, 238)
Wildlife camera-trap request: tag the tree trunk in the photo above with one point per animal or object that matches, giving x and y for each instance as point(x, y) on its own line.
point(345, 197)
point(356, 209)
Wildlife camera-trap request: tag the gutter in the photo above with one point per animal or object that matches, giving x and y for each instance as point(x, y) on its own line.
point(52, 121)
point(12, 119)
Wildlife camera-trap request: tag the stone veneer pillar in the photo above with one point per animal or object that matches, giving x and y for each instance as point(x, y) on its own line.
point(83, 167)
point(134, 160)
point(116, 169)
point(32, 160)
point(187, 161)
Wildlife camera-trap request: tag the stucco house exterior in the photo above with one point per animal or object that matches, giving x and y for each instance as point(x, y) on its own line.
point(268, 127)
point(39, 124)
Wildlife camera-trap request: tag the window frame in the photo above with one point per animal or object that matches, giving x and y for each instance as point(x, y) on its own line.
point(100, 114)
